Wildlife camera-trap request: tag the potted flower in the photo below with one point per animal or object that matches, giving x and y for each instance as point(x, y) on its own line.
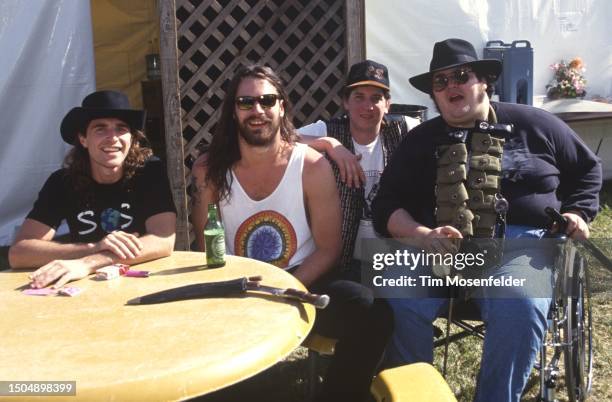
point(567, 81)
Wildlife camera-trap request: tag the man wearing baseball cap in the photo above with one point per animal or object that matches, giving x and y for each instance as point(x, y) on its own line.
point(480, 171)
point(360, 143)
point(115, 198)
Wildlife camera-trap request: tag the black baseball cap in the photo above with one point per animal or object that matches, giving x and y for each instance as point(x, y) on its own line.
point(368, 72)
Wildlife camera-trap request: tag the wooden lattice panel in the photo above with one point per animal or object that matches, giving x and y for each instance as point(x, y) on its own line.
point(304, 41)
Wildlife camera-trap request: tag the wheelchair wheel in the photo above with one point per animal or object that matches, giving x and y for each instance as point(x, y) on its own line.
point(578, 329)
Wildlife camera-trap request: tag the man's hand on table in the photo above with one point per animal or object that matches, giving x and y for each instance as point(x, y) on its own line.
point(60, 272)
point(123, 245)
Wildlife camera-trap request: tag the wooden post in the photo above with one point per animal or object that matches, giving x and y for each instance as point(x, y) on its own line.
point(355, 32)
point(172, 118)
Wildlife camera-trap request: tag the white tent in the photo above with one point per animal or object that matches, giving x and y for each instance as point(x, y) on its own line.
point(46, 68)
point(401, 35)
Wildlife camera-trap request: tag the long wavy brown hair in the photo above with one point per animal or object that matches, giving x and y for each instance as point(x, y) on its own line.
point(224, 151)
point(78, 166)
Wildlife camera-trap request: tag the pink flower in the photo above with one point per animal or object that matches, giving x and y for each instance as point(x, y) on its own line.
point(567, 81)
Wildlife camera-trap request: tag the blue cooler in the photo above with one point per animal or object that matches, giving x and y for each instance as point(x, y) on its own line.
point(516, 82)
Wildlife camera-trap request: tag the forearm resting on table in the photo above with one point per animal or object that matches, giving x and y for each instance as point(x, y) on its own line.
point(34, 253)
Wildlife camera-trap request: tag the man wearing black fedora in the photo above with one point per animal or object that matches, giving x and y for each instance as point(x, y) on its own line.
point(479, 172)
point(115, 198)
point(360, 143)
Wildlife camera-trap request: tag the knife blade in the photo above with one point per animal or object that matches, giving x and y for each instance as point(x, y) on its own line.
point(195, 291)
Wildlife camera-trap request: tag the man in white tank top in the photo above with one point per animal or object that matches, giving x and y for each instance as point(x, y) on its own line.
point(282, 205)
point(279, 204)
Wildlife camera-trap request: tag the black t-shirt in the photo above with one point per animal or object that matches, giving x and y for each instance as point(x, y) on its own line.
point(117, 206)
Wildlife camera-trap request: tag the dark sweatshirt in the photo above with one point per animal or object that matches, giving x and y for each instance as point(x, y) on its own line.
point(544, 163)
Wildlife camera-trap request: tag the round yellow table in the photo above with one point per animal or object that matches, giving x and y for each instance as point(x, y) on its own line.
point(155, 352)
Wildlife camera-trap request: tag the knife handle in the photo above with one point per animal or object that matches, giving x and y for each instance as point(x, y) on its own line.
point(319, 301)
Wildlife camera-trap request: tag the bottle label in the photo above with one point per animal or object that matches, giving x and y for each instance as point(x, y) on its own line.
point(215, 248)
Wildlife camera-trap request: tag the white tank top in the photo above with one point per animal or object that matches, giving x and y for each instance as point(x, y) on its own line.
point(275, 229)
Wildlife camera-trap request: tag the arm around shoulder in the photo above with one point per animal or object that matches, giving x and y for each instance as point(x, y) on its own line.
point(348, 164)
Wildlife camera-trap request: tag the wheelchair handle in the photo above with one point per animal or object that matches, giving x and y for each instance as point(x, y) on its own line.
point(588, 244)
point(557, 218)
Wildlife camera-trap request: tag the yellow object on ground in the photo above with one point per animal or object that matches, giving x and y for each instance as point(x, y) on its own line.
point(418, 382)
point(320, 344)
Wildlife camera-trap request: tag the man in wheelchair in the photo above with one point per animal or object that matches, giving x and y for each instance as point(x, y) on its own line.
point(484, 171)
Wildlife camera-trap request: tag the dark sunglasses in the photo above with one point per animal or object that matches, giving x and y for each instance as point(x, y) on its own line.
point(247, 102)
point(459, 77)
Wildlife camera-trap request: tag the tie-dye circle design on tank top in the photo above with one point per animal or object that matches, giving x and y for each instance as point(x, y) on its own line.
point(266, 236)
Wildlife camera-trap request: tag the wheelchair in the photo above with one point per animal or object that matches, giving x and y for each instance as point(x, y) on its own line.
point(570, 329)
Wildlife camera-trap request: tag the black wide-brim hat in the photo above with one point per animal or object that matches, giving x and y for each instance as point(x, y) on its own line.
point(454, 53)
point(99, 105)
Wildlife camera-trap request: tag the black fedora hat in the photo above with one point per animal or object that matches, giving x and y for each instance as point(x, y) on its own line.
point(98, 105)
point(454, 53)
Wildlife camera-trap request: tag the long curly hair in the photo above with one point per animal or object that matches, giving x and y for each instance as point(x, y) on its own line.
point(224, 150)
point(78, 167)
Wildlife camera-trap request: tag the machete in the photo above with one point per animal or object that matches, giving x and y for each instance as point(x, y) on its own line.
point(224, 288)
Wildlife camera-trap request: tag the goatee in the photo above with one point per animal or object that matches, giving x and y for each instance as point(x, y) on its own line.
point(259, 137)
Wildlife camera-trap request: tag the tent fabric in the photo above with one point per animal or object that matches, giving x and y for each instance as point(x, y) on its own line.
point(46, 68)
point(124, 33)
point(401, 35)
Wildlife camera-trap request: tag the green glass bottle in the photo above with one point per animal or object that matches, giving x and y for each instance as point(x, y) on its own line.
point(214, 236)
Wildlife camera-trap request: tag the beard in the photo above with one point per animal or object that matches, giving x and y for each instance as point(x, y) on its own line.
point(259, 137)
